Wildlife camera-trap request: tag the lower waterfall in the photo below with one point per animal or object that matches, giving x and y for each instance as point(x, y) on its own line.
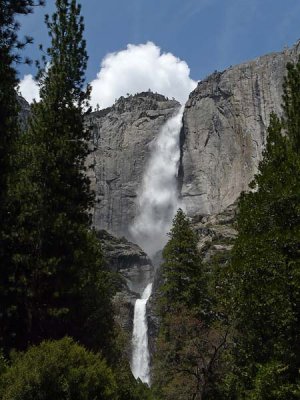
point(140, 354)
point(157, 205)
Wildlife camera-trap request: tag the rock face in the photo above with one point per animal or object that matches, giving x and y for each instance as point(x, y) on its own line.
point(24, 112)
point(216, 234)
point(136, 269)
point(224, 132)
point(120, 150)
point(225, 124)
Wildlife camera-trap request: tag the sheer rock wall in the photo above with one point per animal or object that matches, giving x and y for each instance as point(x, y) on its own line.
point(225, 126)
point(120, 151)
point(224, 132)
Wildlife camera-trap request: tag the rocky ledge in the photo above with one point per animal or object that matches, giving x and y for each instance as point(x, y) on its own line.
point(135, 268)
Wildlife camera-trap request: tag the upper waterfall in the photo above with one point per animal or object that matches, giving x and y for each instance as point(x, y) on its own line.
point(158, 197)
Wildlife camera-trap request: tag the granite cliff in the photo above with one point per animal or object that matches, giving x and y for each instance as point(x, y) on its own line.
point(225, 127)
point(120, 150)
point(224, 132)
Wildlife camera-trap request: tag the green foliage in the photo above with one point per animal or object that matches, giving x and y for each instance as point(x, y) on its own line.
point(58, 370)
point(255, 291)
point(128, 387)
point(181, 269)
point(9, 129)
point(9, 46)
point(264, 276)
point(3, 364)
point(54, 283)
point(189, 352)
point(189, 346)
point(271, 383)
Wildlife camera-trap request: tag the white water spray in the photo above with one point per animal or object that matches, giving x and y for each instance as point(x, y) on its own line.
point(158, 198)
point(140, 355)
point(158, 203)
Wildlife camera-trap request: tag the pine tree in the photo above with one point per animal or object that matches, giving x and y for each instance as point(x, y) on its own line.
point(265, 278)
point(56, 269)
point(188, 347)
point(181, 269)
point(10, 47)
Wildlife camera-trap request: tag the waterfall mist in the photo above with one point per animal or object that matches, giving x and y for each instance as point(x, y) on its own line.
point(158, 197)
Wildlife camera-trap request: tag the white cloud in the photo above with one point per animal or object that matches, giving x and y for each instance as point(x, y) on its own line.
point(139, 68)
point(29, 89)
point(133, 70)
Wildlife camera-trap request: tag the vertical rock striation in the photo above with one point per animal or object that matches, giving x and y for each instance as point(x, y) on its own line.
point(120, 152)
point(225, 123)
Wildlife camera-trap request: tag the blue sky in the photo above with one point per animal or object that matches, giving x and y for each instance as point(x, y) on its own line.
point(208, 34)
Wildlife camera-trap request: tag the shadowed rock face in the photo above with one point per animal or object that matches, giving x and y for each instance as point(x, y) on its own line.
point(24, 112)
point(129, 260)
point(120, 151)
point(225, 124)
point(136, 270)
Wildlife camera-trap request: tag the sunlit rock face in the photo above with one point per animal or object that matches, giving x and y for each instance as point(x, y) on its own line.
point(225, 126)
point(224, 132)
point(121, 147)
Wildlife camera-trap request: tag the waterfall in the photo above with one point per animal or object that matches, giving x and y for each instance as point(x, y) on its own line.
point(140, 355)
point(157, 205)
point(158, 197)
